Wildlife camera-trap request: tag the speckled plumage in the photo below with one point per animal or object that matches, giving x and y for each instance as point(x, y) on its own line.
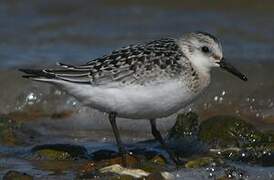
point(149, 80)
point(140, 64)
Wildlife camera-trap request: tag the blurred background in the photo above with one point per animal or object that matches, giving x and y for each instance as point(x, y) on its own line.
point(40, 33)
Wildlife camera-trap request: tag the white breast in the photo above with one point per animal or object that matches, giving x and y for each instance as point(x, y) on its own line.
point(135, 102)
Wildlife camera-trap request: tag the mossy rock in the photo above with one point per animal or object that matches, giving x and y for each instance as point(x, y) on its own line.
point(230, 131)
point(202, 162)
point(152, 167)
point(59, 152)
point(160, 176)
point(186, 125)
point(87, 167)
point(159, 159)
point(15, 175)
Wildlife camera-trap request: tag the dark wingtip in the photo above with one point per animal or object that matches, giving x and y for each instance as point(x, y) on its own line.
point(27, 71)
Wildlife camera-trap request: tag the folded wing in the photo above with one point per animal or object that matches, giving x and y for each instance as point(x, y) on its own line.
point(139, 64)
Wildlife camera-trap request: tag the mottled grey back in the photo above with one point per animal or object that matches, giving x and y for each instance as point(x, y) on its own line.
point(135, 64)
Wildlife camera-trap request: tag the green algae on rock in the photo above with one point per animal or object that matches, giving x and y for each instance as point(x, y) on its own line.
point(230, 131)
point(15, 175)
point(182, 137)
point(91, 168)
point(259, 155)
point(159, 159)
point(202, 161)
point(186, 125)
point(59, 152)
point(237, 140)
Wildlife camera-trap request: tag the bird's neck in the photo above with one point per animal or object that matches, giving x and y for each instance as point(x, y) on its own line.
point(203, 72)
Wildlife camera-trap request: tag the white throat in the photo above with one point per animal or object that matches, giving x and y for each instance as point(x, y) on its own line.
point(201, 63)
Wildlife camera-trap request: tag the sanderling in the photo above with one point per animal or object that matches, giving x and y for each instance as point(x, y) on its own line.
point(143, 81)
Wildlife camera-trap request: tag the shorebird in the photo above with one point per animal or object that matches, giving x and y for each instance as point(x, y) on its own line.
point(143, 81)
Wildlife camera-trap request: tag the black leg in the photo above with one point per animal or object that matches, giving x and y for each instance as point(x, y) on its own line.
point(157, 135)
point(121, 148)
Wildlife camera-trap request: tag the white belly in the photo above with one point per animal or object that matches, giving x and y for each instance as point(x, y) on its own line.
point(135, 102)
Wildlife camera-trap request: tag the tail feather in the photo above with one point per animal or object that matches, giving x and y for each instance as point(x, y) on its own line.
point(57, 75)
point(37, 73)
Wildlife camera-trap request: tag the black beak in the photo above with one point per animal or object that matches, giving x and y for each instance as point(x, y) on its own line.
point(228, 67)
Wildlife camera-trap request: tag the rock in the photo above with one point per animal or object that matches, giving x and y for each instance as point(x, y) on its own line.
point(55, 166)
point(202, 162)
point(230, 131)
point(87, 167)
point(15, 175)
point(259, 155)
point(122, 177)
point(238, 140)
point(144, 153)
point(186, 125)
point(130, 160)
point(159, 159)
point(183, 138)
point(109, 157)
point(256, 155)
point(268, 120)
point(59, 152)
point(152, 167)
point(160, 176)
point(118, 169)
point(90, 169)
point(103, 154)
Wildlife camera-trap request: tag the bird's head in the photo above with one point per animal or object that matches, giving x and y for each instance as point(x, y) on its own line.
point(205, 51)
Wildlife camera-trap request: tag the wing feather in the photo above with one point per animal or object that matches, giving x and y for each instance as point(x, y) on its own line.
point(137, 64)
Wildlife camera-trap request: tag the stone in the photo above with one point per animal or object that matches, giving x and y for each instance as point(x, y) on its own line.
point(160, 176)
point(59, 152)
point(118, 169)
point(159, 159)
point(15, 175)
point(103, 154)
point(186, 125)
point(199, 162)
point(229, 131)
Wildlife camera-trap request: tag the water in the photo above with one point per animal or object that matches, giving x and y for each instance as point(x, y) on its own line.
point(37, 32)
point(40, 33)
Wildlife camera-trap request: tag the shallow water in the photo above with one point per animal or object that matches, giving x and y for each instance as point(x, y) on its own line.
point(39, 33)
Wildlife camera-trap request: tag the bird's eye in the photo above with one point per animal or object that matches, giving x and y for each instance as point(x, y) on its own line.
point(205, 49)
